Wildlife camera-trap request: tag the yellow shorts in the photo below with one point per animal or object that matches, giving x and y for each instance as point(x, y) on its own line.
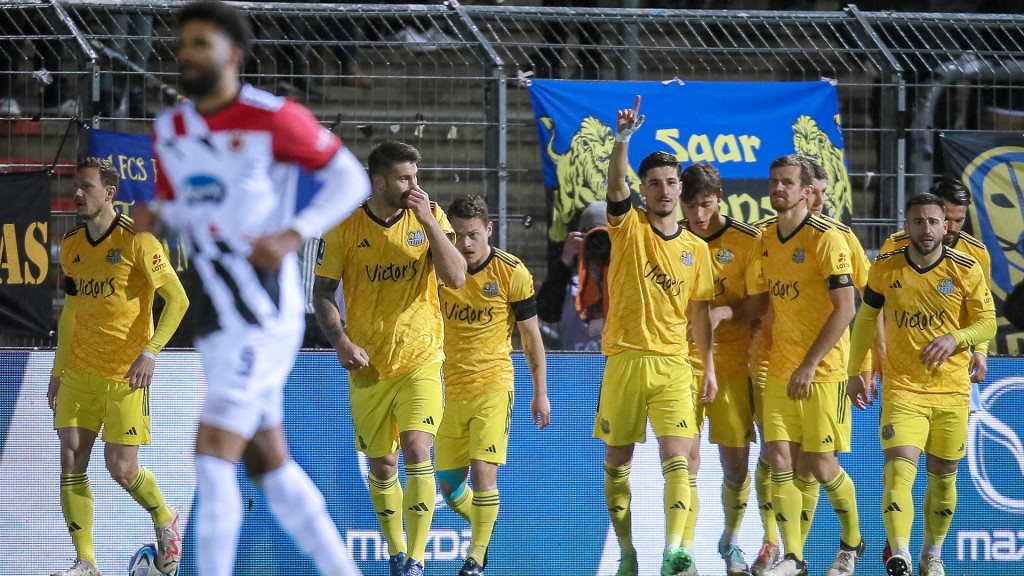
point(91, 402)
point(732, 413)
point(941, 432)
point(819, 424)
point(382, 409)
point(638, 385)
point(758, 376)
point(474, 429)
point(699, 410)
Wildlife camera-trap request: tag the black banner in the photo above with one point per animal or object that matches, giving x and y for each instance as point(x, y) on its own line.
point(991, 165)
point(26, 287)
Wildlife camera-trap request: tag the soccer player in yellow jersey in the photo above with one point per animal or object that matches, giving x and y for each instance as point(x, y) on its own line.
point(659, 280)
point(478, 378)
point(956, 199)
point(807, 267)
point(106, 353)
point(922, 289)
point(390, 257)
point(738, 298)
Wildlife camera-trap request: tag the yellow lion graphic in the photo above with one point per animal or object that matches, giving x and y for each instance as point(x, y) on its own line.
point(582, 172)
point(811, 141)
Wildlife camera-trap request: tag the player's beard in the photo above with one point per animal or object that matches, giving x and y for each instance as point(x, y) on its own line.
point(203, 83)
point(920, 249)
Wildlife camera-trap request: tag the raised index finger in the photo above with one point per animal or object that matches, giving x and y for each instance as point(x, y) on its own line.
point(636, 106)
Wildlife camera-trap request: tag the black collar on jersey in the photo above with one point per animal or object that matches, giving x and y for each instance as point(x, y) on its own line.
point(717, 234)
point(96, 242)
point(384, 223)
point(928, 268)
point(483, 264)
point(796, 230)
point(665, 237)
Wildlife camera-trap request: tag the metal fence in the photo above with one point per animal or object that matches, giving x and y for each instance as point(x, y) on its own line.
point(450, 79)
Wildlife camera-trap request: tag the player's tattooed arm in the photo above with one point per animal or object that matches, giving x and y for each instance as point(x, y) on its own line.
point(328, 316)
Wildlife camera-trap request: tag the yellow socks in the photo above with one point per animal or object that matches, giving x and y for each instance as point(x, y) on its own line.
point(386, 496)
point(939, 505)
point(146, 492)
point(787, 501)
point(691, 516)
point(841, 493)
point(485, 513)
point(809, 492)
point(677, 499)
point(618, 496)
point(462, 502)
point(76, 504)
point(898, 503)
point(762, 483)
point(420, 489)
point(734, 503)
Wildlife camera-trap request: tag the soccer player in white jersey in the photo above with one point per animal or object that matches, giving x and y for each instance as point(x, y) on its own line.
point(229, 162)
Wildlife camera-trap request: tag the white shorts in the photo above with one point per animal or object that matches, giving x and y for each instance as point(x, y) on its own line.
point(245, 374)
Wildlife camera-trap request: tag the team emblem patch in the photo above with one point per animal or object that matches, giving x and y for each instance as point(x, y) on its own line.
point(888, 432)
point(113, 256)
point(237, 141)
point(490, 289)
point(946, 286)
point(723, 256)
point(687, 258)
point(799, 256)
point(605, 426)
point(416, 238)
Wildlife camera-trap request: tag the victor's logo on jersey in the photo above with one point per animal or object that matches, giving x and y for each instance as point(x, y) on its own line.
point(490, 289)
point(416, 238)
point(946, 286)
point(686, 259)
point(204, 189)
point(723, 256)
point(468, 314)
point(113, 256)
point(103, 288)
point(799, 256)
point(920, 319)
point(784, 290)
point(655, 274)
point(391, 272)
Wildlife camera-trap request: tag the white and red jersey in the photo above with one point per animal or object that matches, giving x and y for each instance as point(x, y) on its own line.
point(226, 178)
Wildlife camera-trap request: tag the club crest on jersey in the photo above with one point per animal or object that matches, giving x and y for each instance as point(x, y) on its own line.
point(237, 141)
point(204, 189)
point(490, 289)
point(723, 256)
point(416, 238)
point(687, 258)
point(799, 256)
point(113, 256)
point(946, 286)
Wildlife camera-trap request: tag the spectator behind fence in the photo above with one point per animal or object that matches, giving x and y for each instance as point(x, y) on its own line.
point(547, 61)
point(579, 307)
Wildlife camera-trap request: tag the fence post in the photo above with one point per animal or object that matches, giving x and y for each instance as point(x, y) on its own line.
point(94, 65)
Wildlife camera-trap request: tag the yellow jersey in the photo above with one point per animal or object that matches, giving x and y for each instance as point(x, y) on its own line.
point(478, 321)
point(391, 299)
point(651, 280)
point(800, 271)
point(761, 344)
point(113, 279)
point(733, 255)
point(920, 305)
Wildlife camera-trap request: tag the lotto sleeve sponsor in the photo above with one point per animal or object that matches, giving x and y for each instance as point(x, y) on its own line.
point(978, 296)
point(834, 255)
point(153, 260)
point(521, 285)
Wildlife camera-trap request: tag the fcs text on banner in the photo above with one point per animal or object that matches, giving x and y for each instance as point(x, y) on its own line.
point(26, 293)
point(739, 127)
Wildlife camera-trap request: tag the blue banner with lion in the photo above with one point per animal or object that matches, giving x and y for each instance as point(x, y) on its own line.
point(740, 127)
point(991, 166)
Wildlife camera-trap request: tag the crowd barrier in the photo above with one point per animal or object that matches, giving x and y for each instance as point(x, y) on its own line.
point(553, 519)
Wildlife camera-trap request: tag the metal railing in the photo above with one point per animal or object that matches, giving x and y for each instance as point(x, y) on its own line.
point(450, 80)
